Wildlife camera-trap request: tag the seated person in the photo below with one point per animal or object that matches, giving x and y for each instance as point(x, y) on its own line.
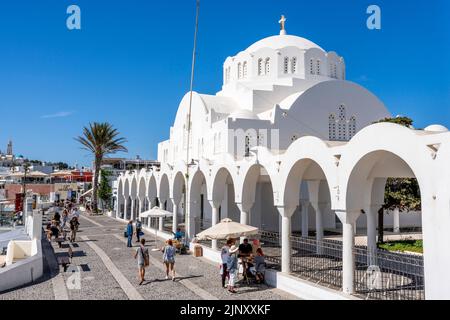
point(178, 235)
point(54, 231)
point(260, 265)
point(245, 249)
point(57, 217)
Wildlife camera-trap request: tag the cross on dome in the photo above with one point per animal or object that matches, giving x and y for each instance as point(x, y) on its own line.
point(282, 23)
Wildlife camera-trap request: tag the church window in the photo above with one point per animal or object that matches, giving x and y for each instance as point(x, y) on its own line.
point(267, 66)
point(260, 66)
point(244, 69)
point(318, 67)
point(286, 65)
point(341, 112)
point(311, 66)
point(293, 65)
point(351, 127)
point(239, 71)
point(247, 146)
point(332, 127)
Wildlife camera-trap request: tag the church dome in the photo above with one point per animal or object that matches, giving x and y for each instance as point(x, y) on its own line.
point(436, 128)
point(282, 41)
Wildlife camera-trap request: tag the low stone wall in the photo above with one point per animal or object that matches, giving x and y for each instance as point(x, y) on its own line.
point(24, 271)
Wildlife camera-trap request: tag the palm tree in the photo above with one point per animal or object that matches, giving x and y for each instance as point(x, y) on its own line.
point(100, 139)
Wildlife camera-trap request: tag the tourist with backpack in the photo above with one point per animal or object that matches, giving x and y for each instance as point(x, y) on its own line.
point(143, 260)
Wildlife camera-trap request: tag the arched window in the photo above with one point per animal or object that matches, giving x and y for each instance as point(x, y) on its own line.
point(311, 66)
point(351, 127)
point(244, 69)
point(286, 65)
point(247, 146)
point(294, 65)
point(341, 112)
point(332, 127)
point(318, 67)
point(239, 75)
point(267, 66)
point(260, 66)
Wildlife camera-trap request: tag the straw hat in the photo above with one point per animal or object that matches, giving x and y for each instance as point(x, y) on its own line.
point(233, 249)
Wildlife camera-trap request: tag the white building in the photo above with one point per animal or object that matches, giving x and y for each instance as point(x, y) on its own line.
point(288, 145)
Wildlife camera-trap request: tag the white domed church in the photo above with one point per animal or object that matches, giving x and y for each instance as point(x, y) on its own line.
point(290, 146)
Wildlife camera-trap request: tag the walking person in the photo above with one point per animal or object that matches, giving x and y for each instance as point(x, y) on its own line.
point(232, 265)
point(73, 228)
point(143, 260)
point(169, 259)
point(224, 254)
point(138, 230)
point(130, 233)
point(65, 216)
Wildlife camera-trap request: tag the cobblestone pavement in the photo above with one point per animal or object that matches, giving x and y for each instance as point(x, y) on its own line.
point(107, 270)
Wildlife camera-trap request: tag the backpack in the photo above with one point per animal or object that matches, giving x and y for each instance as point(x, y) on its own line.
point(146, 256)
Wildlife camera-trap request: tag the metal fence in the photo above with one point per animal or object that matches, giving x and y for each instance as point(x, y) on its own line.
point(380, 275)
point(385, 275)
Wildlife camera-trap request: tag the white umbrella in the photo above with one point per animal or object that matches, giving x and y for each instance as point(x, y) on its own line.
point(227, 229)
point(156, 212)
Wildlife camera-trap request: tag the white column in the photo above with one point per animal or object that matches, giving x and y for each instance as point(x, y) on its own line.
point(348, 258)
point(125, 206)
point(305, 222)
point(160, 223)
point(371, 218)
point(348, 219)
point(118, 207)
point(175, 216)
point(396, 217)
point(215, 219)
point(245, 210)
point(286, 214)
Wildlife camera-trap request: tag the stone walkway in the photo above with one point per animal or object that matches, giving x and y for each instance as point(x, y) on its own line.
point(108, 271)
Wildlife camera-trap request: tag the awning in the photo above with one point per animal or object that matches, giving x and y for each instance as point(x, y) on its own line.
point(87, 192)
point(156, 212)
point(32, 174)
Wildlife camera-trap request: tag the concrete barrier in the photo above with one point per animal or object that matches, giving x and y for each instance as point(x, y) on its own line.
point(24, 264)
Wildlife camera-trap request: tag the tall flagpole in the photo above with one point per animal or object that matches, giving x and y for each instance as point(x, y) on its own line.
point(189, 111)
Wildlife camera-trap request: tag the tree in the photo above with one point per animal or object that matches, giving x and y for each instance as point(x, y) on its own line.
point(100, 139)
point(104, 189)
point(399, 193)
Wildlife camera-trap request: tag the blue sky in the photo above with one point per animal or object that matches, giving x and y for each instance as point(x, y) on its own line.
point(130, 62)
